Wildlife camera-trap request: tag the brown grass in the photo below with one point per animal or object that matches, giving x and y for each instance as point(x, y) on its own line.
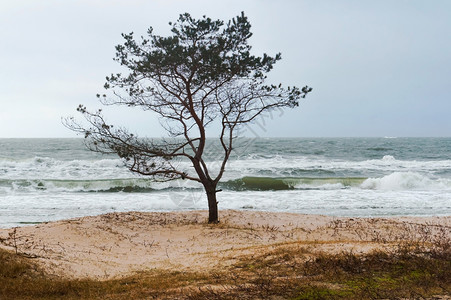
point(412, 270)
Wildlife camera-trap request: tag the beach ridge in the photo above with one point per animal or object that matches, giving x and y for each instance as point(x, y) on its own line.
point(119, 244)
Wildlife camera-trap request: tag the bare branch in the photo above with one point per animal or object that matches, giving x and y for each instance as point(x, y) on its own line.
point(201, 73)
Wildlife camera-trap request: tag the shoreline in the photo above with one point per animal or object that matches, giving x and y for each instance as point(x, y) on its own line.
point(115, 245)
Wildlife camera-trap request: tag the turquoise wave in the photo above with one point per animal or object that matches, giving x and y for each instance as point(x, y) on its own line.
point(100, 185)
point(142, 185)
point(289, 183)
point(393, 181)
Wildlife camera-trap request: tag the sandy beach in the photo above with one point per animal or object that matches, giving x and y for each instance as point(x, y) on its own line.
point(115, 245)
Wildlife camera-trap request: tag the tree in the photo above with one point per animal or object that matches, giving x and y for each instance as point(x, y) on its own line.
point(203, 72)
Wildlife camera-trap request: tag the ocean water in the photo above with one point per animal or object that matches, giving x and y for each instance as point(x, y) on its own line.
point(50, 179)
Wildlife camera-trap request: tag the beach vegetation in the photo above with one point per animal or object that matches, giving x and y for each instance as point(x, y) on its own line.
point(201, 79)
point(283, 271)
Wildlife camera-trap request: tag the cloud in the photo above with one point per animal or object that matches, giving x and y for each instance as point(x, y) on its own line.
point(374, 66)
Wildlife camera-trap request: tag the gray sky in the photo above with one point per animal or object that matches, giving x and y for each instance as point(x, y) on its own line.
point(377, 68)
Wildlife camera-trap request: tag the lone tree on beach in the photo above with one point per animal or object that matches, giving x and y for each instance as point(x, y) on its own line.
point(202, 73)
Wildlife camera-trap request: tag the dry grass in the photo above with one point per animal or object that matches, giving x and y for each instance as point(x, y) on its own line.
point(21, 279)
point(415, 270)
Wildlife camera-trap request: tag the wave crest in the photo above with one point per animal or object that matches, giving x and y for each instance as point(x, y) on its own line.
point(289, 183)
point(405, 181)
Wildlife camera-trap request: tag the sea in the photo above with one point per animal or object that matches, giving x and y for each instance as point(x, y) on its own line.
point(45, 180)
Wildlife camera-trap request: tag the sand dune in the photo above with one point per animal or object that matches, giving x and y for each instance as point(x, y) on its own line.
point(117, 244)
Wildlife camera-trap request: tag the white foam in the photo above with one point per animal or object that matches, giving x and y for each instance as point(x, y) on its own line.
point(388, 158)
point(50, 168)
point(282, 166)
point(405, 181)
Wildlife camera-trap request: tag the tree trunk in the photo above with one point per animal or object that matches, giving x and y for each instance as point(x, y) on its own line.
point(212, 206)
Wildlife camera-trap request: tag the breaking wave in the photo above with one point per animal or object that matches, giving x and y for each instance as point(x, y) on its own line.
point(288, 183)
point(406, 181)
point(393, 181)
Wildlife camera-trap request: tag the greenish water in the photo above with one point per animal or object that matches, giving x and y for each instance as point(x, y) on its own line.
point(49, 179)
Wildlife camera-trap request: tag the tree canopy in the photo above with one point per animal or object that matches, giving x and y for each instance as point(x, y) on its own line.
point(203, 72)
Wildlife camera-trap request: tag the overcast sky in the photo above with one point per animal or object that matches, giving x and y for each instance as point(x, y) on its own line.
point(377, 68)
